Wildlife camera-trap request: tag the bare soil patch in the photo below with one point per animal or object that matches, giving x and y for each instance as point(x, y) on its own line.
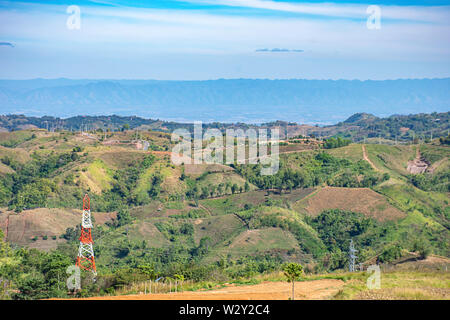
point(305, 290)
point(363, 200)
point(418, 165)
point(21, 228)
point(366, 157)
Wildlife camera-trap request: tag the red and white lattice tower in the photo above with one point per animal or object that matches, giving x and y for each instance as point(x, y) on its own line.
point(85, 259)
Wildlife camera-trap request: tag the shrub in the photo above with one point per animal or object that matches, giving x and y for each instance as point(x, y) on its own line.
point(390, 254)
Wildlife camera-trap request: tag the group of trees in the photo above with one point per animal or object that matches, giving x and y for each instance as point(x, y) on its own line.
point(31, 184)
point(431, 182)
point(307, 240)
point(313, 171)
point(445, 140)
point(401, 127)
point(123, 192)
point(338, 142)
point(196, 191)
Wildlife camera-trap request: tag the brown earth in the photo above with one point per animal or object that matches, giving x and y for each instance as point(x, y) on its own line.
point(119, 157)
point(305, 290)
point(18, 154)
point(21, 228)
point(363, 200)
point(418, 165)
point(198, 169)
point(432, 262)
point(5, 169)
point(266, 239)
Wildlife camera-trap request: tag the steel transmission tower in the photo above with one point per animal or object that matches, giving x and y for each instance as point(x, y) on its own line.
point(85, 259)
point(352, 257)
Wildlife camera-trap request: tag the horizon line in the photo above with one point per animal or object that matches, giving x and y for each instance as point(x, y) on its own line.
point(217, 79)
point(247, 123)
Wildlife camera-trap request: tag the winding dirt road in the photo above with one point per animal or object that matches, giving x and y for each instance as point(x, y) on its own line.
point(367, 158)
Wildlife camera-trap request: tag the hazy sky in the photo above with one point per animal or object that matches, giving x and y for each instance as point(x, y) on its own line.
point(210, 39)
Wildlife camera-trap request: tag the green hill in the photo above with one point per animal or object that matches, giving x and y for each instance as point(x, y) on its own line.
point(213, 221)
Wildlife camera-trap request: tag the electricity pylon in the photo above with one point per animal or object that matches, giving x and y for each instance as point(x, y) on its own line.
point(85, 259)
point(352, 257)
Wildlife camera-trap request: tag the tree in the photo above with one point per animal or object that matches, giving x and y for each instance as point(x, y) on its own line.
point(148, 271)
point(4, 246)
point(31, 287)
point(422, 247)
point(293, 271)
point(123, 217)
point(179, 278)
point(205, 192)
point(196, 200)
point(187, 229)
point(220, 188)
point(390, 254)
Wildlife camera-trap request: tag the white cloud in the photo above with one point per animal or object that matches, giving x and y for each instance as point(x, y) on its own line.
point(126, 34)
point(437, 14)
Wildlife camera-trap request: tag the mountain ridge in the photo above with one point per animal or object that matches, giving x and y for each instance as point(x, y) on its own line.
point(236, 100)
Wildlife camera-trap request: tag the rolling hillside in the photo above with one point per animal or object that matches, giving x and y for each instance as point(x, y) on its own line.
point(217, 221)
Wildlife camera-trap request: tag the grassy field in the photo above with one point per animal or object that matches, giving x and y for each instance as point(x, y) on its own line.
point(399, 285)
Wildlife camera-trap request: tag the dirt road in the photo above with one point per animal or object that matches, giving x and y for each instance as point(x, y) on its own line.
point(306, 290)
point(367, 158)
point(418, 165)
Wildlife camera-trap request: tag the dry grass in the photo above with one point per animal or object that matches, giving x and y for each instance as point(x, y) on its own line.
point(363, 200)
point(198, 169)
point(400, 285)
point(21, 228)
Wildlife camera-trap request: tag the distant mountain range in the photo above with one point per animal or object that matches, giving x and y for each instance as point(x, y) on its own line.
point(238, 100)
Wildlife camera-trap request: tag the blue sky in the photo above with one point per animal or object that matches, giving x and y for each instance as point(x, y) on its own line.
point(211, 39)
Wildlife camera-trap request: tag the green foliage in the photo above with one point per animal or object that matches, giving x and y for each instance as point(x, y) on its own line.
point(313, 170)
point(176, 232)
point(336, 227)
point(129, 275)
point(268, 216)
point(31, 184)
point(361, 126)
point(33, 195)
point(428, 182)
point(338, 142)
point(390, 254)
point(123, 217)
point(32, 287)
point(17, 138)
point(5, 249)
point(37, 274)
point(125, 182)
point(423, 247)
point(293, 271)
point(445, 140)
point(127, 252)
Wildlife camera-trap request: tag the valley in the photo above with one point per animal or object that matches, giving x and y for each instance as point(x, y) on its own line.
point(217, 223)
